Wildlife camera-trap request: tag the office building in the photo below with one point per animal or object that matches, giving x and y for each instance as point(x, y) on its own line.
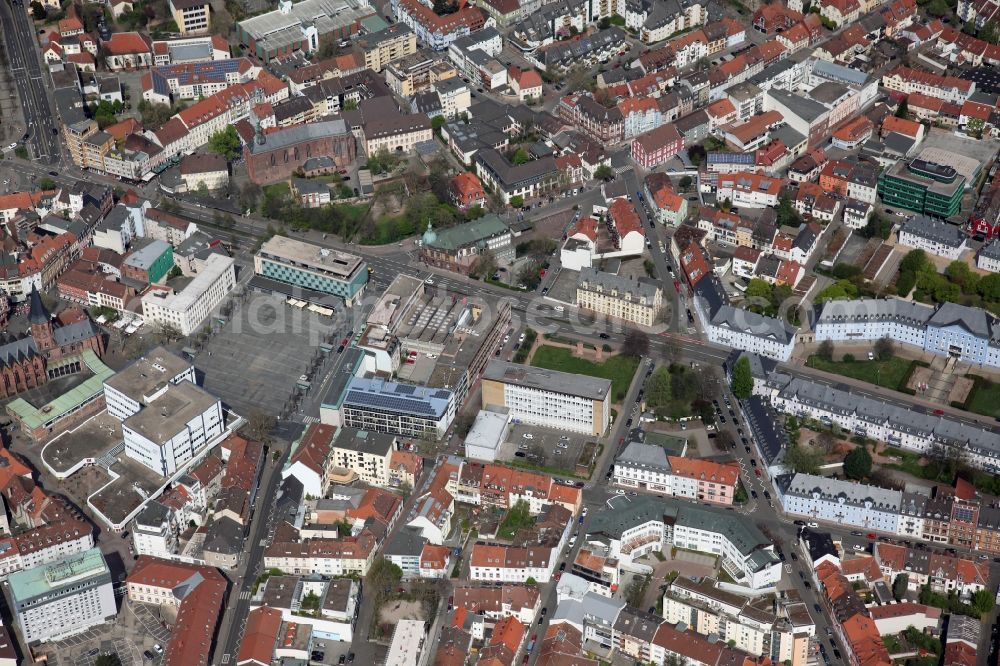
point(548, 398)
point(968, 334)
point(387, 45)
point(314, 270)
point(188, 309)
point(636, 301)
point(923, 187)
point(191, 16)
point(64, 598)
point(381, 406)
point(934, 237)
point(143, 381)
point(174, 428)
point(150, 263)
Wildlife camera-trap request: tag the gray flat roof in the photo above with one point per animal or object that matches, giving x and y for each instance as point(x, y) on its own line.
point(542, 379)
point(148, 374)
point(170, 412)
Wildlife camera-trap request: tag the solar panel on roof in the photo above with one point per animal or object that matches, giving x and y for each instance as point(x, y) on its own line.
point(405, 389)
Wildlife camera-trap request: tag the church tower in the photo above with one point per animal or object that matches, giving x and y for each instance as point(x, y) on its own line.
point(41, 323)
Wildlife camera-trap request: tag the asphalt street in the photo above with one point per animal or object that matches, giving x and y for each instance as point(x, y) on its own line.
point(19, 40)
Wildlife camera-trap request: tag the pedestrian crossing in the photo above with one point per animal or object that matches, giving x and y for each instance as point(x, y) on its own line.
point(245, 595)
point(310, 419)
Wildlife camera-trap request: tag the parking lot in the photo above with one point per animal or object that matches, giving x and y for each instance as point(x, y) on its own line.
point(544, 447)
point(256, 358)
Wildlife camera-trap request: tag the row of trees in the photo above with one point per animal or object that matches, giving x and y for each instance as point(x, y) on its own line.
point(958, 283)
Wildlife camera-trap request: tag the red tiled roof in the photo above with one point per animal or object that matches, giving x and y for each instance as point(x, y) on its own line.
point(260, 636)
point(127, 43)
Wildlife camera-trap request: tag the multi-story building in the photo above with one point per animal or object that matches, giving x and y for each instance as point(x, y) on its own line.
point(648, 466)
point(63, 598)
point(387, 45)
point(548, 398)
point(381, 406)
point(155, 531)
point(439, 32)
point(191, 16)
point(652, 524)
point(527, 181)
point(187, 309)
point(749, 190)
point(77, 135)
point(867, 417)
point(657, 146)
point(367, 454)
point(948, 88)
point(309, 268)
point(174, 428)
point(327, 557)
point(933, 236)
point(512, 564)
point(144, 381)
point(460, 248)
point(742, 329)
point(969, 334)
point(384, 128)
point(197, 592)
point(923, 187)
point(988, 257)
point(637, 301)
point(148, 263)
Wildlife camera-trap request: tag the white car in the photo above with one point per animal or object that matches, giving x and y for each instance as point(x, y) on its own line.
point(619, 492)
point(584, 511)
point(858, 546)
point(812, 525)
point(429, 281)
point(528, 435)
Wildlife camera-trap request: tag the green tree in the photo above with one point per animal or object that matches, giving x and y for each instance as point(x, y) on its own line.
point(899, 586)
point(46, 184)
point(604, 172)
point(38, 11)
point(727, 205)
point(684, 183)
point(437, 122)
point(982, 601)
point(825, 350)
point(803, 460)
point(21, 152)
point(636, 343)
point(742, 379)
point(903, 109)
point(521, 156)
point(858, 463)
point(517, 201)
point(787, 215)
point(226, 143)
point(758, 288)
point(990, 32)
point(884, 348)
point(989, 287)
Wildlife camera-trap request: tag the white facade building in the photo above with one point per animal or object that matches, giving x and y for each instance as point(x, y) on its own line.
point(186, 310)
point(144, 381)
point(63, 598)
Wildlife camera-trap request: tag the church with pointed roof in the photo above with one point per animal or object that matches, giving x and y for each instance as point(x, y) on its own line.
point(51, 349)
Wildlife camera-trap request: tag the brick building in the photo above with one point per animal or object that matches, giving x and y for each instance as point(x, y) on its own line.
point(275, 156)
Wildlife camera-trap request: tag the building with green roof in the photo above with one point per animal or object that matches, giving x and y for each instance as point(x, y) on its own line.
point(64, 598)
point(459, 248)
point(637, 526)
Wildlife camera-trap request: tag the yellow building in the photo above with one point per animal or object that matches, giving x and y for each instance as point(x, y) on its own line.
point(95, 147)
point(636, 301)
point(191, 16)
point(75, 135)
point(386, 46)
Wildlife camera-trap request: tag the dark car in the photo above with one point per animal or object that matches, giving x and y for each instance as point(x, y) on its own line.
point(817, 608)
point(519, 454)
point(545, 611)
point(795, 558)
point(798, 522)
point(604, 336)
point(350, 657)
point(836, 653)
point(628, 424)
point(806, 583)
point(340, 349)
point(148, 655)
point(767, 495)
point(753, 462)
point(753, 494)
point(562, 566)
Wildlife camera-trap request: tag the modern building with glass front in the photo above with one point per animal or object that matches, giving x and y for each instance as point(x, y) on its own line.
point(290, 262)
point(923, 187)
point(377, 405)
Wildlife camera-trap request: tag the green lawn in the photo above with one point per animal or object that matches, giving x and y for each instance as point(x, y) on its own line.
point(891, 373)
point(517, 518)
point(985, 398)
point(619, 369)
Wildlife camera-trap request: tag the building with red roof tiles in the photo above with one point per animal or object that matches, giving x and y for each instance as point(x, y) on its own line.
point(750, 190)
point(328, 557)
point(904, 126)
point(467, 191)
point(626, 228)
point(405, 467)
point(71, 24)
point(435, 561)
point(128, 50)
point(853, 133)
point(795, 38)
point(774, 17)
point(311, 460)
point(439, 32)
point(657, 146)
point(694, 264)
point(197, 592)
point(526, 84)
point(703, 480)
point(263, 627)
point(512, 564)
point(907, 80)
point(509, 632)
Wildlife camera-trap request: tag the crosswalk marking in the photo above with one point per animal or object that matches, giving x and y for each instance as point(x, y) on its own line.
point(310, 419)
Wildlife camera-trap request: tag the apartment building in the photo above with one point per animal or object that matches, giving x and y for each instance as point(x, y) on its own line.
point(647, 466)
point(512, 564)
point(548, 398)
point(367, 454)
point(197, 592)
point(532, 179)
point(948, 88)
point(155, 531)
point(171, 431)
point(381, 406)
point(191, 16)
point(742, 329)
point(867, 417)
point(636, 301)
point(944, 573)
point(63, 598)
point(309, 267)
point(965, 333)
point(326, 557)
point(387, 45)
point(749, 190)
point(650, 524)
